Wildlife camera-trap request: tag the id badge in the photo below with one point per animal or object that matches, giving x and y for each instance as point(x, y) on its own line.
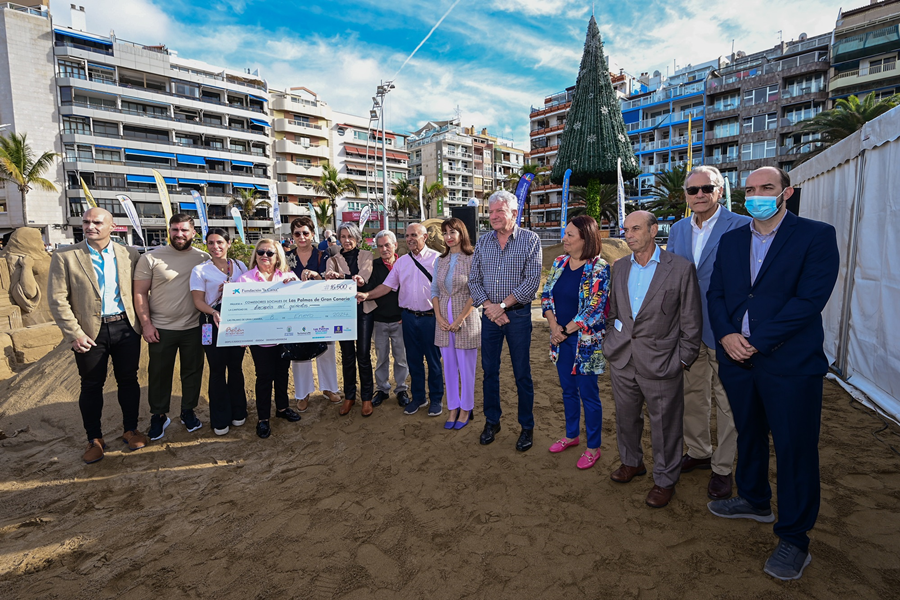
point(206, 334)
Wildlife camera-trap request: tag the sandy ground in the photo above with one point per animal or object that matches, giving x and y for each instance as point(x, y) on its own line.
point(395, 507)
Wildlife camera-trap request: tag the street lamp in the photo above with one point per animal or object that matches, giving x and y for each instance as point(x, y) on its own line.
point(376, 114)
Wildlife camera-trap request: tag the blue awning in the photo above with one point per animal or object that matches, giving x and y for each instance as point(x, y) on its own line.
point(108, 147)
point(80, 36)
point(187, 206)
point(242, 185)
point(191, 160)
point(96, 66)
point(192, 181)
point(148, 179)
point(264, 188)
point(257, 98)
point(149, 153)
point(209, 158)
point(241, 163)
point(217, 182)
point(259, 122)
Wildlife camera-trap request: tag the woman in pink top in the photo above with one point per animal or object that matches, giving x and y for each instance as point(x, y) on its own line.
point(268, 264)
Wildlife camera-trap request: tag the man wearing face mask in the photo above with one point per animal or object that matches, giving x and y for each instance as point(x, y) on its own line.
point(767, 322)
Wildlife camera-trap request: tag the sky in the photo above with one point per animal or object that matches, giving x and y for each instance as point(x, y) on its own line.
point(490, 60)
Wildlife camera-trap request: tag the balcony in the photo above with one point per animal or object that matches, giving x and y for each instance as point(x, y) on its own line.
point(664, 94)
point(544, 150)
point(300, 127)
point(460, 155)
point(286, 167)
point(719, 160)
point(286, 188)
point(863, 75)
point(456, 169)
point(285, 146)
point(872, 43)
point(550, 109)
point(297, 105)
point(546, 130)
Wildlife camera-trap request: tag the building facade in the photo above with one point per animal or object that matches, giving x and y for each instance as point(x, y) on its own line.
point(865, 51)
point(444, 151)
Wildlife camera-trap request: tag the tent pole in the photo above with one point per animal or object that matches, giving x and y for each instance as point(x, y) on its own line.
point(855, 210)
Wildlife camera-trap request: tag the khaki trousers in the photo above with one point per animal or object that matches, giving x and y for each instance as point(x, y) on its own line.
point(699, 385)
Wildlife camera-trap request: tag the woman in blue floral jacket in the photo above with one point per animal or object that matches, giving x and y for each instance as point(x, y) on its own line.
point(574, 301)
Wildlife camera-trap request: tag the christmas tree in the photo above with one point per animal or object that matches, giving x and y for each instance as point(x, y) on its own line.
point(594, 137)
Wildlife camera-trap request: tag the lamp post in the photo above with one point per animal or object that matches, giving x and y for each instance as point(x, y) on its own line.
point(378, 105)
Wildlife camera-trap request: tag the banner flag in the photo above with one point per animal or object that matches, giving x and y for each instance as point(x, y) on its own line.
point(421, 204)
point(87, 195)
point(131, 211)
point(276, 213)
point(522, 194)
point(163, 198)
point(565, 204)
point(620, 196)
point(364, 216)
point(728, 194)
point(238, 222)
point(201, 211)
point(312, 213)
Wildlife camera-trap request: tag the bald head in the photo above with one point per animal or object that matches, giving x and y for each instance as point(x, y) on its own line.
point(416, 234)
point(640, 231)
point(97, 224)
point(645, 216)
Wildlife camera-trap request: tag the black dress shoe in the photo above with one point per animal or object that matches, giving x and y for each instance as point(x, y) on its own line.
point(263, 429)
point(403, 398)
point(379, 398)
point(526, 440)
point(490, 430)
point(288, 414)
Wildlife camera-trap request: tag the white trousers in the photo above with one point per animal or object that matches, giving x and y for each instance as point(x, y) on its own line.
point(326, 368)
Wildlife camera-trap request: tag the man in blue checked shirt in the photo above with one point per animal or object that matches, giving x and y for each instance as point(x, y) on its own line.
point(505, 276)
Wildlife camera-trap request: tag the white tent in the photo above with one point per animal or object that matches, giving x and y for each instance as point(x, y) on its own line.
point(855, 186)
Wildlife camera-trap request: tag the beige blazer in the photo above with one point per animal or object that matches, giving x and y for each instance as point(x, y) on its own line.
point(667, 329)
point(338, 264)
point(74, 292)
point(469, 336)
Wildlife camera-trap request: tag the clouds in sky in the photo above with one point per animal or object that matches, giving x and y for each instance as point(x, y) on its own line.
point(493, 59)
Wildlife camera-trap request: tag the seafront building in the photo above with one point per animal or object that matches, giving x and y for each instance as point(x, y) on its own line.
point(865, 51)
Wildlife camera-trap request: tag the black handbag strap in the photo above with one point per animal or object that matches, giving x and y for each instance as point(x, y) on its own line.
point(421, 268)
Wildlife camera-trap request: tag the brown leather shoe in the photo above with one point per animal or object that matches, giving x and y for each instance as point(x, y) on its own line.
point(367, 408)
point(660, 496)
point(720, 487)
point(135, 439)
point(303, 405)
point(332, 397)
point(624, 473)
point(689, 463)
point(94, 451)
point(346, 406)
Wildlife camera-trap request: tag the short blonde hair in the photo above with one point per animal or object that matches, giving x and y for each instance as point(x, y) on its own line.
point(280, 259)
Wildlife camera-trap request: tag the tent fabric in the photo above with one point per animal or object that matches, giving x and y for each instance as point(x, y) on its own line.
point(852, 186)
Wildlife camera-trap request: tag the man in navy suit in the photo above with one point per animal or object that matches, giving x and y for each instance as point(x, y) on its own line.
point(769, 285)
point(697, 239)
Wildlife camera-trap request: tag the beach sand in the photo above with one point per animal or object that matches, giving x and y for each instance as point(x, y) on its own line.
point(394, 506)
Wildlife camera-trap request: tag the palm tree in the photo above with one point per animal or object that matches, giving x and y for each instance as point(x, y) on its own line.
point(248, 202)
point(431, 194)
point(608, 203)
point(668, 193)
point(406, 197)
point(19, 166)
point(334, 187)
point(847, 116)
point(323, 213)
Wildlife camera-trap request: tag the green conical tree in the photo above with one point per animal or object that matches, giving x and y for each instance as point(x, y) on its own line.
point(595, 136)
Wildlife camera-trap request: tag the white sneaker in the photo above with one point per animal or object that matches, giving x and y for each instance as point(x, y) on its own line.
point(238, 423)
point(222, 431)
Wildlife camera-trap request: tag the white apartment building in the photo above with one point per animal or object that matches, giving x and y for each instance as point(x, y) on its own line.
point(444, 151)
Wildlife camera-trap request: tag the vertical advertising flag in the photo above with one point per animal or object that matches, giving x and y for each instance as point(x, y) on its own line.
point(565, 204)
point(440, 178)
point(131, 211)
point(364, 216)
point(276, 213)
point(421, 204)
point(163, 198)
point(201, 212)
point(620, 196)
point(238, 222)
point(690, 147)
point(728, 194)
point(87, 195)
point(312, 213)
point(522, 194)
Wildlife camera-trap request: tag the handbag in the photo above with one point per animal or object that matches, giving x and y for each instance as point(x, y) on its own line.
point(303, 351)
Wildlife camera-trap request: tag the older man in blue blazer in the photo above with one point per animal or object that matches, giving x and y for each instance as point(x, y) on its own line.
point(769, 285)
point(697, 240)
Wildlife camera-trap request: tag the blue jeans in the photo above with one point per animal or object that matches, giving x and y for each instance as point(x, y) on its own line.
point(578, 389)
point(418, 337)
point(518, 336)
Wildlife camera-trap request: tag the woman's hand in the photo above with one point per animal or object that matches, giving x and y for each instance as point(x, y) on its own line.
point(457, 324)
point(359, 280)
point(333, 275)
point(557, 335)
point(217, 318)
point(442, 323)
point(361, 297)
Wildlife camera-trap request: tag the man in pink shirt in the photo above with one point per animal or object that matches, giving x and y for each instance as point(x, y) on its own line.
point(412, 275)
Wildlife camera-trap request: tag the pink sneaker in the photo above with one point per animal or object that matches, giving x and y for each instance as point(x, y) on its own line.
point(588, 460)
point(561, 444)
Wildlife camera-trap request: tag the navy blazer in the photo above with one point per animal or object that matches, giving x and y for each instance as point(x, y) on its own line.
point(785, 303)
point(681, 242)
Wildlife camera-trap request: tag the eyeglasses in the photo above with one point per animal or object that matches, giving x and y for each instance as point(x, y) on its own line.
point(707, 189)
point(269, 253)
point(302, 234)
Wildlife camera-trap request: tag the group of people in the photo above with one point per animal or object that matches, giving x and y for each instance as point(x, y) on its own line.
point(731, 310)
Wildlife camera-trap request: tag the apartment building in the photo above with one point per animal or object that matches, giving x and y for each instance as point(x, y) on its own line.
point(865, 50)
point(483, 176)
point(443, 151)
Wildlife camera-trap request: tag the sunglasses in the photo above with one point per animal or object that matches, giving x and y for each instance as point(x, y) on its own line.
point(693, 190)
point(302, 234)
point(269, 253)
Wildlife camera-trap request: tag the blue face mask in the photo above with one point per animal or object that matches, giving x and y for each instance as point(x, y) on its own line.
point(762, 208)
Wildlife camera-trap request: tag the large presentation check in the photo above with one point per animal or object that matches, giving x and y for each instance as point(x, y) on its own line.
point(297, 311)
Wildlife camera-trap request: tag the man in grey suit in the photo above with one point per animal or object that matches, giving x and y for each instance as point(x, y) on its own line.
point(652, 335)
point(697, 240)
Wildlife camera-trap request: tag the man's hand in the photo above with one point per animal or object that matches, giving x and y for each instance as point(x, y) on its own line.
point(737, 347)
point(361, 297)
point(502, 320)
point(150, 334)
point(83, 344)
point(493, 311)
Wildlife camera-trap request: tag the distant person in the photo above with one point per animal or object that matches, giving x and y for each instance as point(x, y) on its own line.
point(652, 335)
point(227, 397)
point(697, 239)
point(458, 331)
point(574, 302)
point(506, 273)
point(768, 322)
point(171, 324)
point(326, 236)
point(90, 275)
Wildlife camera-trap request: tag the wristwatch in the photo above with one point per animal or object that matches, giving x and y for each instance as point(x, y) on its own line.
point(503, 305)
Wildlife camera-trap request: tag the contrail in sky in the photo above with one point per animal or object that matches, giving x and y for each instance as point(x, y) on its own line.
point(436, 25)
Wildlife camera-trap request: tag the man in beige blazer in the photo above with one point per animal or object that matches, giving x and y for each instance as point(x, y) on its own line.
point(652, 334)
point(90, 298)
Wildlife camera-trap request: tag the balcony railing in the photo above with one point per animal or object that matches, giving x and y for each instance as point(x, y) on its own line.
point(665, 94)
point(863, 72)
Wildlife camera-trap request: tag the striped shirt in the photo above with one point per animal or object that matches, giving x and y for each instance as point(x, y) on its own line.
point(516, 269)
point(108, 280)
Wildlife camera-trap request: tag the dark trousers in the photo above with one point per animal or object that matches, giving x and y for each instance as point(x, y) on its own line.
point(418, 337)
point(578, 389)
point(359, 352)
point(161, 369)
point(271, 370)
point(791, 408)
point(120, 342)
point(227, 398)
point(518, 336)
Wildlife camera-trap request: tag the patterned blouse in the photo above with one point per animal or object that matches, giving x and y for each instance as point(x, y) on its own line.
point(591, 318)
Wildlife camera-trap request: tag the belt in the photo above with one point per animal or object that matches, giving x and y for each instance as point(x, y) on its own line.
point(420, 313)
point(113, 318)
point(515, 306)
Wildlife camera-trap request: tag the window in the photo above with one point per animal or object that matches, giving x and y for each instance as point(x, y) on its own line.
point(804, 85)
point(727, 102)
point(760, 123)
point(71, 69)
point(101, 103)
point(112, 181)
point(102, 154)
point(758, 150)
point(882, 64)
point(726, 127)
point(761, 95)
point(183, 88)
point(106, 128)
point(144, 109)
point(76, 125)
point(795, 114)
point(212, 119)
point(744, 176)
point(360, 135)
point(144, 133)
